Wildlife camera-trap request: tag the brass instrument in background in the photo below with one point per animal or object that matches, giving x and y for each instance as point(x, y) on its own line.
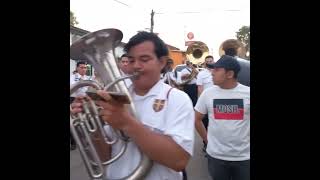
point(235, 44)
point(98, 49)
point(244, 73)
point(189, 78)
point(173, 83)
point(196, 52)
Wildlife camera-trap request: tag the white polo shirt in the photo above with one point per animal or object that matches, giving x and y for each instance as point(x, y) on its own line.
point(204, 78)
point(74, 78)
point(176, 119)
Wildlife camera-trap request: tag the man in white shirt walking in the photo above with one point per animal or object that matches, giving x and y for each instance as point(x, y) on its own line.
point(228, 135)
point(204, 81)
point(163, 115)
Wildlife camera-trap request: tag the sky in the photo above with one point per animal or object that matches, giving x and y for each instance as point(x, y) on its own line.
point(211, 21)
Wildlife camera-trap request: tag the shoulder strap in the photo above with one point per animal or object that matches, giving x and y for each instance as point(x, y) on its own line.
point(169, 93)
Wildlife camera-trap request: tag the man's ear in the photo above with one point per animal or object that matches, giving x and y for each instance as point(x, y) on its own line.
point(230, 74)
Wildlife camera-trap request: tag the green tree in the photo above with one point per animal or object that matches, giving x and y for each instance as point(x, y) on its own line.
point(243, 35)
point(73, 19)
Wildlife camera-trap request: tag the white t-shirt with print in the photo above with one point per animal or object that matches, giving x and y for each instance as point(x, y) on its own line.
point(176, 119)
point(204, 78)
point(229, 121)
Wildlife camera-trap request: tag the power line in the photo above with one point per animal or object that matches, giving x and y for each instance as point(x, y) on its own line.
point(121, 3)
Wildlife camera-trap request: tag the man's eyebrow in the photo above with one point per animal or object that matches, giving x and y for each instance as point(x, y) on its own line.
point(144, 56)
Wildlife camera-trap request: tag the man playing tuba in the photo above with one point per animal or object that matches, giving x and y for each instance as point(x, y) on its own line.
point(163, 115)
point(188, 79)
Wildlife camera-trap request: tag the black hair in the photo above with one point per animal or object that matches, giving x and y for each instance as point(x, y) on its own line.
point(166, 68)
point(235, 73)
point(123, 55)
point(170, 61)
point(209, 56)
point(231, 46)
point(160, 47)
point(80, 62)
point(231, 52)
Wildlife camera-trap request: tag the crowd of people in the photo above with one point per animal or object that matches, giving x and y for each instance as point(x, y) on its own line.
point(212, 103)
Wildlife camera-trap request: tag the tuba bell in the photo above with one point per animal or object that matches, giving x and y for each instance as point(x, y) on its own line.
point(197, 52)
point(98, 49)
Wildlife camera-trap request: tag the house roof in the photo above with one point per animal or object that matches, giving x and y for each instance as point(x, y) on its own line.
point(172, 47)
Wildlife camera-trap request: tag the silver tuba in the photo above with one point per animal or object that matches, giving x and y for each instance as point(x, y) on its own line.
point(97, 48)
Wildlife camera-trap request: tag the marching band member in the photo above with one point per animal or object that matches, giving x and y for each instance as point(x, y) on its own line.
point(190, 88)
point(164, 126)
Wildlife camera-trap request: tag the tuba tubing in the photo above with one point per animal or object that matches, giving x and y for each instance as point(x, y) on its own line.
point(191, 76)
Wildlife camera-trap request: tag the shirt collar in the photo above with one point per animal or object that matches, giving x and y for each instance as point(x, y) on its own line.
point(79, 76)
point(155, 90)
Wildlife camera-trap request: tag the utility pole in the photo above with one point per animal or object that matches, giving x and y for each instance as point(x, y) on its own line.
point(152, 23)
